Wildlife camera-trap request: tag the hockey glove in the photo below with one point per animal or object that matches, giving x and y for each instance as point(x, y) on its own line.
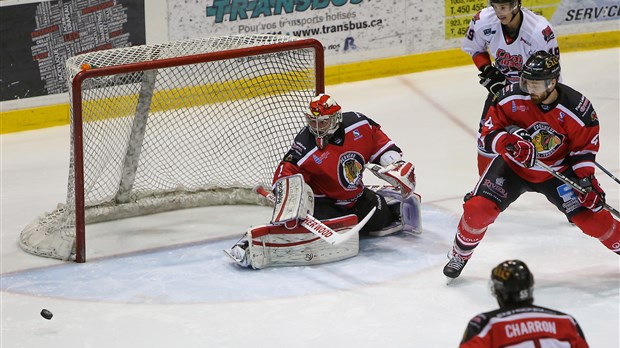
point(399, 174)
point(492, 79)
point(520, 147)
point(594, 198)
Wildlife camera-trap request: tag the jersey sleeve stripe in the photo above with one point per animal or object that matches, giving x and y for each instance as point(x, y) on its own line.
point(303, 159)
point(381, 150)
point(571, 114)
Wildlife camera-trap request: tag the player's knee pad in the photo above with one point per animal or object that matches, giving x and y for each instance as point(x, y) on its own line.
point(479, 212)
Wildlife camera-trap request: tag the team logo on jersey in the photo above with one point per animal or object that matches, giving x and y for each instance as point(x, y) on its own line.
point(350, 166)
point(520, 107)
point(488, 31)
point(319, 159)
point(584, 104)
point(506, 61)
point(546, 139)
point(356, 134)
point(548, 34)
point(476, 17)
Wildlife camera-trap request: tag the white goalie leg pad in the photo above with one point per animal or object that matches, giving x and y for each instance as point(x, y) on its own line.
point(276, 245)
point(294, 200)
point(410, 211)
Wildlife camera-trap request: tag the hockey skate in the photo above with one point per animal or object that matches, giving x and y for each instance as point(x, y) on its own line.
point(454, 267)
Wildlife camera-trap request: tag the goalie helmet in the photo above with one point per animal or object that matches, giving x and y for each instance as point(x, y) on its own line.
point(323, 118)
point(512, 283)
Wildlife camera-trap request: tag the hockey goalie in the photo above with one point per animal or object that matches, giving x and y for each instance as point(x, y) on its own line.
point(321, 205)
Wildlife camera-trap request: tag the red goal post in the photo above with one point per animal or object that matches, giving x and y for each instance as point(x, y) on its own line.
point(177, 125)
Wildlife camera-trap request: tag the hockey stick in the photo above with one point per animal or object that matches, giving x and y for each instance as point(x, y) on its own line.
point(318, 228)
point(607, 172)
point(574, 185)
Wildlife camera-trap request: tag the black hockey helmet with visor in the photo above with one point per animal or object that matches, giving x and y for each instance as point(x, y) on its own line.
point(512, 283)
point(538, 72)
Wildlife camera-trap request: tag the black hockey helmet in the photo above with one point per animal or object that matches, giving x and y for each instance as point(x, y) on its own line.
point(512, 283)
point(541, 65)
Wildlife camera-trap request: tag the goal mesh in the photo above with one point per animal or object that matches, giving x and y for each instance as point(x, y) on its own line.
point(176, 125)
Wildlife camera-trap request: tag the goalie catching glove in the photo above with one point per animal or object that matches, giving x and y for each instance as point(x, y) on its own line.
point(399, 174)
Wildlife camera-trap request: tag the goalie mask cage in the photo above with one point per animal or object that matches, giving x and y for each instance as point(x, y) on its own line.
point(178, 125)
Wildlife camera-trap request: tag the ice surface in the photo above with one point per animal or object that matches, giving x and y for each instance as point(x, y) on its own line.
point(163, 281)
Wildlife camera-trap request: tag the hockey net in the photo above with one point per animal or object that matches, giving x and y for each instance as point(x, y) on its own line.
point(178, 125)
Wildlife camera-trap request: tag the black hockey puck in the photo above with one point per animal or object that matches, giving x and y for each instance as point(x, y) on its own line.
point(46, 314)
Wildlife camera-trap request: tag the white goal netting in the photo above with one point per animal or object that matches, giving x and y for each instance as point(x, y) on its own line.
point(177, 125)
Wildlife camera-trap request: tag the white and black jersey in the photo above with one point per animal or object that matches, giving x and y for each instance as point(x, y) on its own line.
point(485, 35)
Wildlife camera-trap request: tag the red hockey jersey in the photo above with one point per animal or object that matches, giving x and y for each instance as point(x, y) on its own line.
point(526, 326)
point(566, 133)
point(336, 170)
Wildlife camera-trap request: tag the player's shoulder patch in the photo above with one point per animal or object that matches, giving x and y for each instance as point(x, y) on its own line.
point(302, 144)
point(578, 104)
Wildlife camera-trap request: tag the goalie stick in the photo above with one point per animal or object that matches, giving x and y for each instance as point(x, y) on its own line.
point(318, 228)
point(574, 185)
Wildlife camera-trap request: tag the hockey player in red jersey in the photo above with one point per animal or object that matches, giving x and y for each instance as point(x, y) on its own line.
point(331, 152)
point(518, 322)
point(538, 119)
point(509, 34)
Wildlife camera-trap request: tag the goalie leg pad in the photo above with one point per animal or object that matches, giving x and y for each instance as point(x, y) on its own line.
point(294, 200)
point(410, 214)
point(410, 219)
point(273, 246)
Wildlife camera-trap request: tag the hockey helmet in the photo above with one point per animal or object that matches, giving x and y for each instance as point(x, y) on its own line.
point(512, 283)
point(514, 3)
point(323, 118)
point(541, 66)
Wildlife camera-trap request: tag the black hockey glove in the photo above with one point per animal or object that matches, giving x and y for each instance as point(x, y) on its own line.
point(493, 80)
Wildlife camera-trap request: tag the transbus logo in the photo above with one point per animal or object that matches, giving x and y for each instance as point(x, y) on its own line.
point(244, 9)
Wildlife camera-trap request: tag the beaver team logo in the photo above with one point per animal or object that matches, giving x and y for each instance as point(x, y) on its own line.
point(350, 166)
point(546, 139)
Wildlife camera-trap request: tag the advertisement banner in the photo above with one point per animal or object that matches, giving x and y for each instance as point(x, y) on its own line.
point(356, 30)
point(343, 26)
point(558, 12)
point(37, 38)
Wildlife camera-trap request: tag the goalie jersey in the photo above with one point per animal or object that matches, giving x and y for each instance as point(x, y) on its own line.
point(335, 171)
